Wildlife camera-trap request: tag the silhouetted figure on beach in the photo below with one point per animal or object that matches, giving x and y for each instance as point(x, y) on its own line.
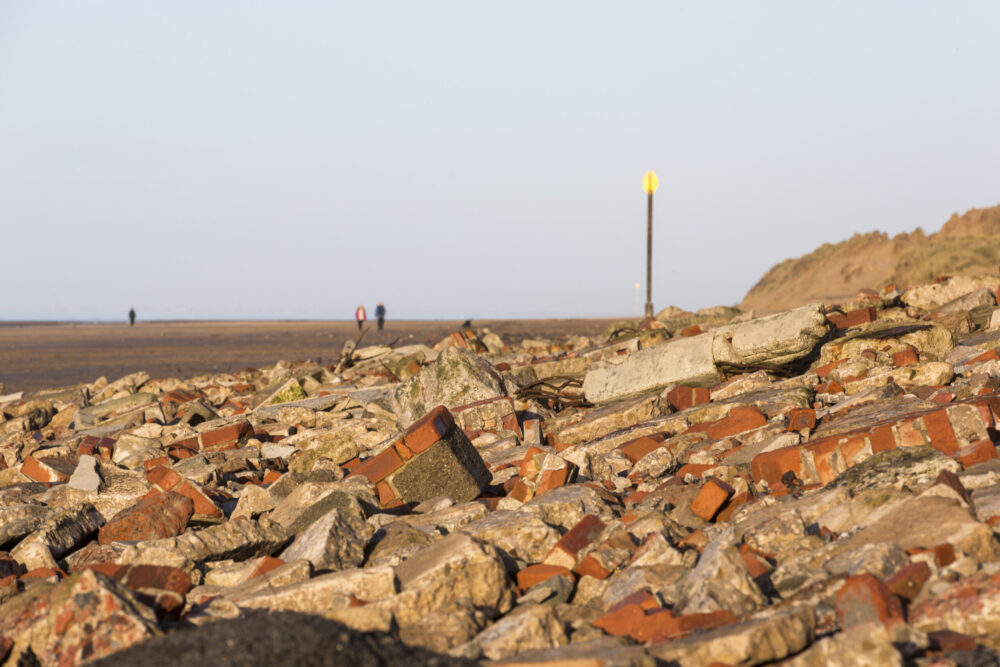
point(360, 315)
point(380, 314)
point(131, 317)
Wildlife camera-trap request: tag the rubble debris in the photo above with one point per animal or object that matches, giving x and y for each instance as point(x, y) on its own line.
point(819, 486)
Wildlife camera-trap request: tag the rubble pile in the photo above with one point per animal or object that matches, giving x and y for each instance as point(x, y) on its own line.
point(819, 486)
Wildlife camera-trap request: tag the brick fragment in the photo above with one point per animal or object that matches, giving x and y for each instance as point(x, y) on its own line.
point(638, 448)
point(162, 515)
point(771, 466)
point(684, 397)
point(695, 469)
point(733, 505)
point(741, 419)
point(572, 546)
point(864, 599)
point(710, 499)
point(939, 430)
point(41, 471)
point(853, 318)
point(536, 574)
point(949, 640)
point(801, 418)
point(908, 581)
point(379, 466)
point(976, 452)
point(428, 429)
point(905, 357)
point(227, 437)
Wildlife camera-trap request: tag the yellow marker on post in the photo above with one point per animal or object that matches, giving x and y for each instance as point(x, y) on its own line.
point(649, 183)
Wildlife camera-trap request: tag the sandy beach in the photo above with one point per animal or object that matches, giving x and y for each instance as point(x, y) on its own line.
point(38, 355)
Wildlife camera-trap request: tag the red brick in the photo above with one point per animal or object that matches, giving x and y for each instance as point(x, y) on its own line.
point(908, 435)
point(162, 515)
point(940, 432)
point(163, 477)
point(882, 439)
point(519, 490)
point(203, 505)
point(385, 493)
point(536, 574)
point(977, 452)
point(864, 598)
point(229, 434)
point(43, 573)
point(655, 623)
point(801, 418)
point(905, 357)
point(944, 554)
point(908, 581)
point(158, 461)
point(740, 419)
point(179, 453)
point(551, 479)
point(832, 387)
point(636, 449)
point(696, 539)
point(566, 552)
point(265, 565)
point(87, 446)
point(710, 499)
point(40, 472)
point(826, 369)
point(686, 624)
point(380, 466)
point(684, 397)
point(853, 318)
point(428, 429)
point(642, 597)
point(851, 447)
point(770, 466)
point(591, 566)
point(733, 505)
point(621, 621)
point(696, 469)
point(404, 452)
point(530, 463)
point(822, 451)
point(106, 448)
point(990, 355)
point(949, 640)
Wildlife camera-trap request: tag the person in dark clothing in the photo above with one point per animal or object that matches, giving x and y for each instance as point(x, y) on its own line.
point(131, 317)
point(380, 314)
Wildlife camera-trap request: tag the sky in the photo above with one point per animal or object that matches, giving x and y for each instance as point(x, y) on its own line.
point(289, 160)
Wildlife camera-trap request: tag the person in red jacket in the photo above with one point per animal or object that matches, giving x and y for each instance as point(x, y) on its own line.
point(360, 316)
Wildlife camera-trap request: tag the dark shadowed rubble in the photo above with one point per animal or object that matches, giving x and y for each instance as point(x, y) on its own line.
point(820, 486)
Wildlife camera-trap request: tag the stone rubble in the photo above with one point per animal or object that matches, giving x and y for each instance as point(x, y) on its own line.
point(819, 486)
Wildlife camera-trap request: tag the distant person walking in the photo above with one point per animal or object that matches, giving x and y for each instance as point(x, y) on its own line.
point(380, 314)
point(131, 317)
point(360, 315)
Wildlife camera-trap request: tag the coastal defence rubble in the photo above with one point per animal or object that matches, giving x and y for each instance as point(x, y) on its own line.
point(819, 486)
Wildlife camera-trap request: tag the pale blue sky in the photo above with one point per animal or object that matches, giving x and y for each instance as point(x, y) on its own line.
point(219, 159)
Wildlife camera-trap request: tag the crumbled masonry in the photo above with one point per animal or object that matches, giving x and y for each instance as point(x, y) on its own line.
point(819, 486)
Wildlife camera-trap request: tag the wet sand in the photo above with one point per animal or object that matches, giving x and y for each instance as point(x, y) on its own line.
point(42, 355)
